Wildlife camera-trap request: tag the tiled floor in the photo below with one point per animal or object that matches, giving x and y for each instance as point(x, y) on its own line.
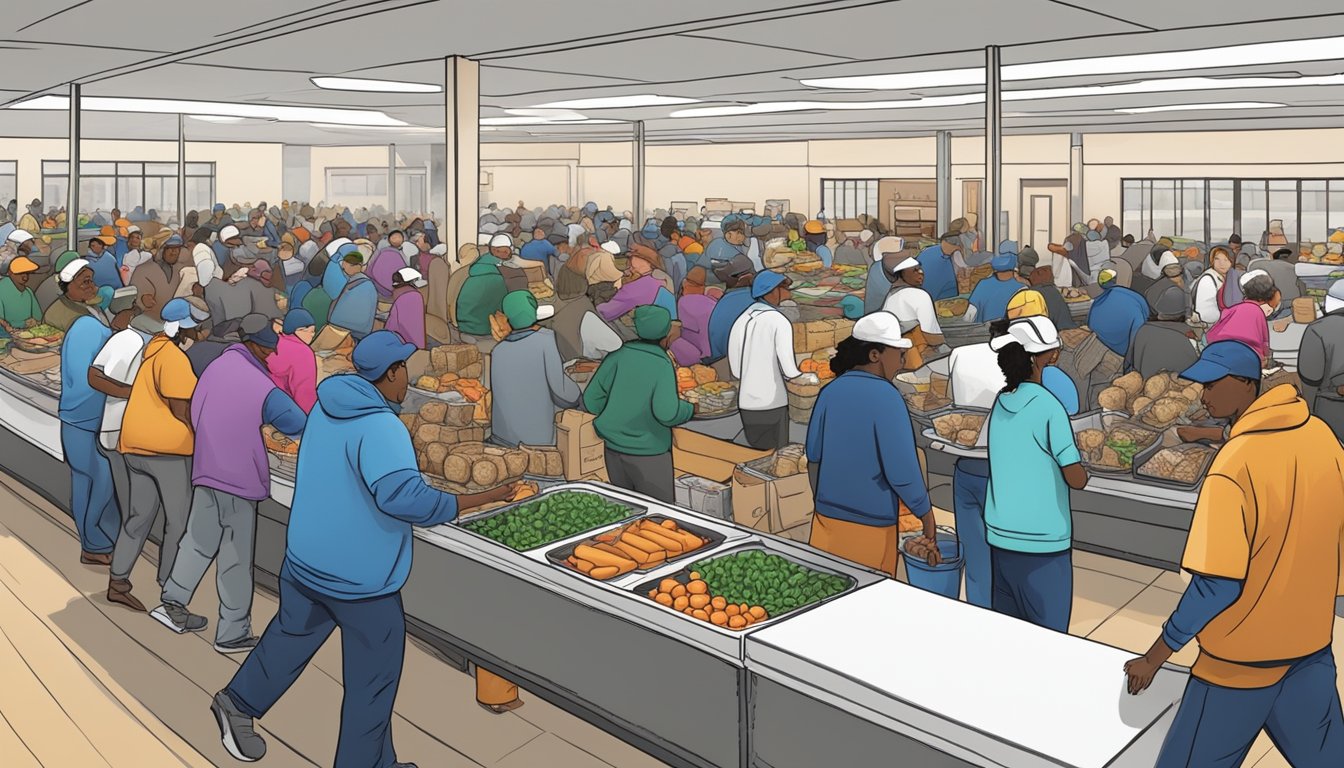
point(91, 684)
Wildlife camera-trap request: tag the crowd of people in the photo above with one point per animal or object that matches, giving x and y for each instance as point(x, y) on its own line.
point(166, 389)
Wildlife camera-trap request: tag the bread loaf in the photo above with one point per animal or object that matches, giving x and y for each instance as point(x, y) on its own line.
point(536, 461)
point(472, 371)
point(488, 470)
point(555, 466)
point(457, 468)
point(468, 448)
point(433, 411)
point(435, 453)
point(456, 415)
point(785, 466)
point(516, 463)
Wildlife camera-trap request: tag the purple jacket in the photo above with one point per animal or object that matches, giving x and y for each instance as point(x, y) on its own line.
point(382, 267)
point(692, 346)
point(407, 316)
point(234, 398)
point(636, 293)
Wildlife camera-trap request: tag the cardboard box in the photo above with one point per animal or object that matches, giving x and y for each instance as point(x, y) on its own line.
point(330, 338)
point(749, 501)
point(813, 336)
point(717, 461)
point(801, 533)
point(704, 496)
point(841, 328)
point(582, 452)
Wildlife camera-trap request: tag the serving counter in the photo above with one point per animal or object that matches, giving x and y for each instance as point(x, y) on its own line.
point(880, 669)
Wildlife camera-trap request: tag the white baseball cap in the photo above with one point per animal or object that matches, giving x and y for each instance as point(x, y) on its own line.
point(1334, 300)
point(228, 232)
point(73, 269)
point(1249, 276)
point(909, 263)
point(501, 241)
point(881, 328)
point(19, 236)
point(1035, 334)
point(411, 277)
point(545, 312)
point(886, 245)
point(334, 245)
point(612, 248)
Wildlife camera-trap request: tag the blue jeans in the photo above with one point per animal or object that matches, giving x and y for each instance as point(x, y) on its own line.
point(92, 501)
point(373, 643)
point(1215, 726)
point(1034, 587)
point(970, 484)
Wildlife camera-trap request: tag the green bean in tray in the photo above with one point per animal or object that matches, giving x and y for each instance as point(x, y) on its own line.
point(775, 583)
point(550, 518)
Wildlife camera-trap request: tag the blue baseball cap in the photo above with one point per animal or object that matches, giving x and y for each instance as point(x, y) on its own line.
point(178, 311)
point(766, 282)
point(297, 318)
point(173, 241)
point(1003, 262)
point(218, 207)
point(377, 352)
point(1222, 359)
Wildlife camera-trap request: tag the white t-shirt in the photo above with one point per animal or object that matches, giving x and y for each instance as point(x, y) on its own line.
point(1207, 286)
point(119, 360)
point(974, 376)
point(913, 306)
point(760, 354)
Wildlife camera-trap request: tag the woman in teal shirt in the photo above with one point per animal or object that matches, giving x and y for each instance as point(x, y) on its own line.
point(1033, 462)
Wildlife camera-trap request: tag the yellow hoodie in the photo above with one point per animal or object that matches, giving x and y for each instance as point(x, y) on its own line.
point(1271, 514)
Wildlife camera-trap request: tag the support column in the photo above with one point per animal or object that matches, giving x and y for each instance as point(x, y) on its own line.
point(944, 181)
point(72, 192)
point(181, 170)
point(392, 181)
point(637, 167)
point(1076, 179)
point(994, 232)
point(462, 150)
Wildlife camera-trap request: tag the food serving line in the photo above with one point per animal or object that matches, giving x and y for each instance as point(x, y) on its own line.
point(840, 681)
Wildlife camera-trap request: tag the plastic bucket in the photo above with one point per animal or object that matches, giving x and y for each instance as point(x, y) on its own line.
point(943, 579)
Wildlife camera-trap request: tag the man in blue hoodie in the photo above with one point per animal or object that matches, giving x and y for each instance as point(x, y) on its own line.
point(1117, 314)
point(348, 552)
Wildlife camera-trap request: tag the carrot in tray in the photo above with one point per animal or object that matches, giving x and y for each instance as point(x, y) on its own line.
point(583, 566)
point(605, 572)
point(640, 542)
point(674, 546)
point(599, 557)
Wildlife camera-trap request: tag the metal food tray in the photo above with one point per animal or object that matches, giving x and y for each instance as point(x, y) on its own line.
point(1105, 420)
point(636, 511)
point(683, 575)
point(1143, 457)
point(713, 539)
point(981, 443)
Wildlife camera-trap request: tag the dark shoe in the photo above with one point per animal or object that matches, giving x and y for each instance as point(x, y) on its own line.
point(178, 618)
point(241, 645)
point(119, 591)
point(235, 730)
point(103, 559)
point(499, 709)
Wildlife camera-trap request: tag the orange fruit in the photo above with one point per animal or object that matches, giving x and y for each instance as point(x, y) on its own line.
point(718, 618)
point(701, 615)
point(719, 603)
point(736, 622)
point(681, 603)
point(667, 585)
point(699, 601)
point(664, 599)
point(678, 590)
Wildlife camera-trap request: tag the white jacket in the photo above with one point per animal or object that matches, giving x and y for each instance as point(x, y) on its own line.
point(1207, 286)
point(760, 354)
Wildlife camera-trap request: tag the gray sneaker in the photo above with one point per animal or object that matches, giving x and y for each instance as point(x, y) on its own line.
point(178, 618)
point(235, 730)
point(241, 645)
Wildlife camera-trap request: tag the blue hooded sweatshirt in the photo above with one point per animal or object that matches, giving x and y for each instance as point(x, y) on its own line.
point(1116, 316)
point(356, 306)
point(356, 496)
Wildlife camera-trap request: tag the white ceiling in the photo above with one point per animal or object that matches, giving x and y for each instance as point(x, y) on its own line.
point(533, 52)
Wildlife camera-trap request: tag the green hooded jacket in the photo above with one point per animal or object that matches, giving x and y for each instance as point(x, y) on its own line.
point(482, 296)
point(17, 307)
point(634, 392)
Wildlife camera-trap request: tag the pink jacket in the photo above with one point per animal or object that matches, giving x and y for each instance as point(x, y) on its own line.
point(294, 370)
point(1244, 322)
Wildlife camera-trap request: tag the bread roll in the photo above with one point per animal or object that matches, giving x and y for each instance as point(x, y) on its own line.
point(516, 463)
point(436, 453)
point(1156, 386)
point(555, 466)
point(469, 448)
point(536, 462)
point(967, 437)
point(1131, 383)
point(1113, 399)
point(1091, 439)
point(433, 411)
point(785, 466)
point(458, 415)
point(427, 383)
point(1140, 402)
point(457, 469)
point(484, 472)
point(426, 434)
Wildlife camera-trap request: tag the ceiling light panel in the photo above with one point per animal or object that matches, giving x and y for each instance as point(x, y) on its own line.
point(619, 102)
point(374, 86)
point(219, 109)
point(1201, 107)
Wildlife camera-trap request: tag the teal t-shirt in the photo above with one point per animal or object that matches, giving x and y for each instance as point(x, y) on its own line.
point(1027, 504)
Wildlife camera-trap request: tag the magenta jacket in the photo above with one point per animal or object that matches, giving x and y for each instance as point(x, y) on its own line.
point(294, 369)
point(1244, 322)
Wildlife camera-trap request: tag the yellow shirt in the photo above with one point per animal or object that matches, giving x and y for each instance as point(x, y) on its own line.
point(149, 427)
point(1270, 514)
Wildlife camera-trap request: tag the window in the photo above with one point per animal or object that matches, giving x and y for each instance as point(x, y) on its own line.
point(848, 198)
point(1209, 210)
point(354, 186)
point(124, 185)
point(9, 181)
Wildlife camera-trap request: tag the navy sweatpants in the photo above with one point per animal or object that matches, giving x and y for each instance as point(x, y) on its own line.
point(1034, 587)
point(373, 643)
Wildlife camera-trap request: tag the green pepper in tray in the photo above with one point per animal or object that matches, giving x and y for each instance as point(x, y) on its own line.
point(550, 518)
point(775, 583)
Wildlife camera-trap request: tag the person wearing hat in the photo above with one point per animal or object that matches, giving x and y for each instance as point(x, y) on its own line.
point(406, 317)
point(989, 298)
point(18, 305)
point(861, 453)
point(528, 379)
point(539, 249)
point(634, 396)
point(761, 357)
point(1171, 279)
point(20, 242)
point(605, 226)
point(913, 307)
point(358, 493)
point(730, 306)
point(293, 367)
point(1166, 342)
point(1248, 322)
point(885, 255)
point(728, 248)
point(644, 283)
point(482, 293)
point(157, 443)
point(814, 234)
point(940, 262)
point(79, 296)
point(1320, 362)
point(694, 310)
point(234, 399)
point(1041, 281)
point(112, 373)
point(1265, 556)
point(354, 308)
point(104, 262)
point(1117, 314)
point(1033, 464)
point(382, 266)
point(229, 244)
point(1279, 267)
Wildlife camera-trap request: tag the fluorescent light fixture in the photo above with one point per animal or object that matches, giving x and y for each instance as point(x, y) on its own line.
point(217, 119)
point(618, 102)
point(374, 86)
point(543, 117)
point(365, 117)
point(1196, 107)
point(396, 128)
point(1278, 52)
point(803, 106)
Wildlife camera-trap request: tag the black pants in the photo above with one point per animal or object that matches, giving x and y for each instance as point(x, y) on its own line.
point(766, 430)
point(649, 475)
